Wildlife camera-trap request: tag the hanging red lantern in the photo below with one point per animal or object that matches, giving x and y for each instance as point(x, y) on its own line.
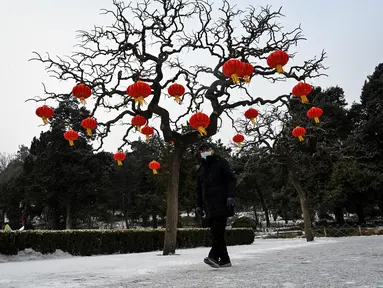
point(251, 114)
point(238, 138)
point(138, 121)
point(82, 92)
point(139, 91)
point(71, 136)
point(315, 113)
point(233, 69)
point(119, 157)
point(147, 131)
point(277, 60)
point(302, 90)
point(299, 132)
point(176, 90)
point(247, 71)
point(199, 121)
point(155, 166)
point(45, 112)
point(89, 124)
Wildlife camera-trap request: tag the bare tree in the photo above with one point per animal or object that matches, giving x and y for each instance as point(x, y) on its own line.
point(149, 41)
point(5, 159)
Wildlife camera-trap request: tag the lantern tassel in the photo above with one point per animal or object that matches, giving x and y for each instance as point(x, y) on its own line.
point(202, 131)
point(155, 171)
point(177, 98)
point(316, 119)
point(45, 120)
point(252, 121)
point(280, 69)
point(140, 100)
point(71, 142)
point(235, 79)
point(147, 137)
point(138, 127)
point(300, 138)
point(89, 131)
point(246, 78)
point(304, 99)
point(239, 144)
point(119, 163)
point(82, 101)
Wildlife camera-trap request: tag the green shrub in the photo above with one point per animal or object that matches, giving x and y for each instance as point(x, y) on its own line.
point(95, 242)
point(244, 222)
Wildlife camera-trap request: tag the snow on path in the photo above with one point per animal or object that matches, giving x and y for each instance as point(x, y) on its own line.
point(328, 262)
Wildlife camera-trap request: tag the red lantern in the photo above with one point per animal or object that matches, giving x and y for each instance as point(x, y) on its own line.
point(147, 130)
point(139, 91)
point(154, 165)
point(45, 112)
point(238, 138)
point(315, 113)
point(138, 121)
point(251, 114)
point(277, 60)
point(233, 69)
point(71, 136)
point(89, 124)
point(82, 92)
point(299, 132)
point(247, 71)
point(199, 121)
point(302, 90)
point(119, 157)
point(176, 91)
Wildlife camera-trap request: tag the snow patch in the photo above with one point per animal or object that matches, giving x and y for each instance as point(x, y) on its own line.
point(32, 255)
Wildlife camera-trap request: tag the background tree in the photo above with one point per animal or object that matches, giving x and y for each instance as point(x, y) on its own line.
point(147, 42)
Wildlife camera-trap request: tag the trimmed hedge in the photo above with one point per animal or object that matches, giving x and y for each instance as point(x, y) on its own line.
point(244, 222)
point(96, 242)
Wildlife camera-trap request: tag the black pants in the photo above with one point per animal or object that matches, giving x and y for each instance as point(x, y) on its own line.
point(218, 250)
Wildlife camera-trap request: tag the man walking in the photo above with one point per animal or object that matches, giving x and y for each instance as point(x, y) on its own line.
point(216, 185)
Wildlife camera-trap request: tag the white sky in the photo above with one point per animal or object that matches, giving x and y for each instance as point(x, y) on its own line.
point(350, 32)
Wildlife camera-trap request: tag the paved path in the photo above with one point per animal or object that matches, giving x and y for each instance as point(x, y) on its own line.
point(329, 262)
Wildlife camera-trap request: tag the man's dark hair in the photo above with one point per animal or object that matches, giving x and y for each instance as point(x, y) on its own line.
point(205, 146)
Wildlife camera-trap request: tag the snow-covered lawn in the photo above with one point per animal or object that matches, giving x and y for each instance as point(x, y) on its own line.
point(328, 262)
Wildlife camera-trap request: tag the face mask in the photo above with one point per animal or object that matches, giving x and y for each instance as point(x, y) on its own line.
point(205, 154)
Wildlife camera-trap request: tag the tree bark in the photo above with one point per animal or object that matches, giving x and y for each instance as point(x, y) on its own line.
point(360, 213)
point(264, 207)
point(257, 222)
point(154, 221)
point(339, 216)
point(304, 206)
point(69, 218)
point(172, 202)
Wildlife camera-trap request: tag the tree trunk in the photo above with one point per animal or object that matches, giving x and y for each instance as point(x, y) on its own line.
point(339, 216)
point(263, 203)
point(154, 221)
point(257, 222)
point(381, 209)
point(54, 218)
point(172, 202)
point(304, 206)
point(264, 208)
point(360, 213)
point(69, 220)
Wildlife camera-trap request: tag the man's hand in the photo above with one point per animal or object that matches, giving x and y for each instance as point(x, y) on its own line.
point(230, 202)
point(198, 211)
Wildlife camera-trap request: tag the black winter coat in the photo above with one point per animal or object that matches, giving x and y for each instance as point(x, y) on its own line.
point(215, 183)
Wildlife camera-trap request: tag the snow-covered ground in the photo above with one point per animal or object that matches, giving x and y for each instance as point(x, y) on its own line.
point(328, 262)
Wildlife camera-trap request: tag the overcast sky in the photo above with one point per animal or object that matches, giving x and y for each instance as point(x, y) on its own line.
point(350, 32)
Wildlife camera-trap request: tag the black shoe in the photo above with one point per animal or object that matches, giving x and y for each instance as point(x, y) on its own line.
point(224, 264)
point(211, 262)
